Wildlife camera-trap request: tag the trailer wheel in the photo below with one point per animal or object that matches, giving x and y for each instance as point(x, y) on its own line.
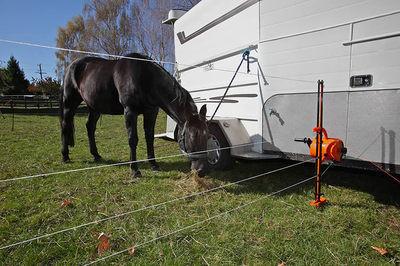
point(218, 159)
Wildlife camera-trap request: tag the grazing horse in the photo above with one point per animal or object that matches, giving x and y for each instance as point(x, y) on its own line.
point(132, 87)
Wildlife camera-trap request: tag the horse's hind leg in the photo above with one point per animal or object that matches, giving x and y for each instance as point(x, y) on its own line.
point(91, 128)
point(149, 121)
point(131, 126)
point(69, 107)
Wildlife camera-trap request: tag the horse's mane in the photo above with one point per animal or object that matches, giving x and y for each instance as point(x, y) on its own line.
point(183, 97)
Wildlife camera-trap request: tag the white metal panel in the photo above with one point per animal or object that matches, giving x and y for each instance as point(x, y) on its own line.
point(306, 57)
point(380, 58)
point(204, 12)
point(377, 26)
point(317, 14)
point(374, 126)
point(237, 31)
point(374, 131)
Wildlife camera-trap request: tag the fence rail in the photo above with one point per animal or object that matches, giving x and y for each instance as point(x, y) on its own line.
point(9, 103)
point(29, 101)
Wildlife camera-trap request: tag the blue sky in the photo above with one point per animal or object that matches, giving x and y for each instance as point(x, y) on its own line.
point(36, 22)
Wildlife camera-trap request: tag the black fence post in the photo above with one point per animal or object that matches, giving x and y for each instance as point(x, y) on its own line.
point(12, 109)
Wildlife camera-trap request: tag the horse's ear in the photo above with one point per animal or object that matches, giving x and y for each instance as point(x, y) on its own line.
point(203, 112)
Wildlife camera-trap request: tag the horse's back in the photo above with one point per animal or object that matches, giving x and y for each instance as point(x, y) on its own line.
point(107, 86)
point(94, 81)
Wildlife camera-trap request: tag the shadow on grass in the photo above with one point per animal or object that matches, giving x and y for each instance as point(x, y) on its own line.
point(379, 185)
point(384, 189)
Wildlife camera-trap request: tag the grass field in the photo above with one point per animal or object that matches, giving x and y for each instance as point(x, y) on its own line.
point(364, 208)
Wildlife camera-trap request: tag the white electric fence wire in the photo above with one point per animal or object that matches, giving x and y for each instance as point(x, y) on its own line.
point(142, 59)
point(111, 55)
point(206, 220)
point(149, 207)
point(125, 163)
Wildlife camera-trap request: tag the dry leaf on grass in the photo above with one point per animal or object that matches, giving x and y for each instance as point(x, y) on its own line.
point(381, 251)
point(131, 250)
point(66, 203)
point(103, 245)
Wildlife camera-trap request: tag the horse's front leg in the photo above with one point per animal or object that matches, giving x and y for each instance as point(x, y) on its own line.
point(131, 126)
point(149, 121)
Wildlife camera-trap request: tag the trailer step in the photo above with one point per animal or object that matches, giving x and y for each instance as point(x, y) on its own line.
point(166, 136)
point(256, 156)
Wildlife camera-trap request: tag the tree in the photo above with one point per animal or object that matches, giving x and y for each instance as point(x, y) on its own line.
point(19, 84)
point(153, 38)
point(119, 27)
point(73, 36)
point(109, 26)
point(46, 86)
point(4, 81)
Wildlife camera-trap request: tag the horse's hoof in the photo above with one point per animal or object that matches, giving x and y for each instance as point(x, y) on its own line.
point(98, 158)
point(66, 160)
point(135, 180)
point(136, 174)
point(155, 167)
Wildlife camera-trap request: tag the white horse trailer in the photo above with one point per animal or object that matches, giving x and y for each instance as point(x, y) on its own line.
point(353, 45)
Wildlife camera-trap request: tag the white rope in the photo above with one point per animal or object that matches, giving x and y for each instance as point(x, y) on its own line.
point(149, 207)
point(123, 163)
point(203, 221)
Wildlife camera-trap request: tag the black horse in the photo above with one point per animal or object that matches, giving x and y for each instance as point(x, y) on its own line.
point(131, 87)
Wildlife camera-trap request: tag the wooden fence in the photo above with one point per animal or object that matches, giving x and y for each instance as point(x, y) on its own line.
point(31, 103)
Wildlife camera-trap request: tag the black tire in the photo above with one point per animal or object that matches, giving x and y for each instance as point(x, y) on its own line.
point(220, 159)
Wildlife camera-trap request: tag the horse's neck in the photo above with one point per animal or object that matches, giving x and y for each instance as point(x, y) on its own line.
point(176, 108)
point(177, 112)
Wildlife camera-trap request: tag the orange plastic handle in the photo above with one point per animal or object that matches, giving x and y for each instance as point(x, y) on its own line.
point(319, 129)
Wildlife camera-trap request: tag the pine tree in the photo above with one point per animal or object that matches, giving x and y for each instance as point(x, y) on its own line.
point(4, 81)
point(18, 82)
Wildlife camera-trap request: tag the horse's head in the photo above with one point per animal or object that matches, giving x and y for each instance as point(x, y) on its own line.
point(193, 140)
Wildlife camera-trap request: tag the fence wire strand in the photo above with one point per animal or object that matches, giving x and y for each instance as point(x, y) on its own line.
point(111, 55)
point(142, 59)
point(206, 220)
point(150, 206)
point(125, 163)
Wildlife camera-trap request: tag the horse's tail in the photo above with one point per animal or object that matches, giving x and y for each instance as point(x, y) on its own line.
point(61, 104)
point(66, 118)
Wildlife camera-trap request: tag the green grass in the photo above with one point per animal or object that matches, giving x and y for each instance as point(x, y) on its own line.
point(363, 210)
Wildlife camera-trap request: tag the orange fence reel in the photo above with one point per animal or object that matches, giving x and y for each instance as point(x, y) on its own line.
point(332, 149)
